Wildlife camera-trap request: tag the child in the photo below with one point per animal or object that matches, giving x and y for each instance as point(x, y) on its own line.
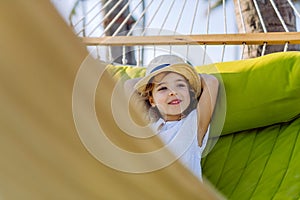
point(179, 101)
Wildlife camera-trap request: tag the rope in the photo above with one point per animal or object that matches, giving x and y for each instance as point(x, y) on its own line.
point(151, 20)
point(194, 17)
point(98, 52)
point(242, 17)
point(81, 19)
point(207, 30)
point(225, 29)
point(208, 17)
point(264, 49)
point(225, 17)
point(279, 16)
point(262, 24)
point(139, 19)
point(94, 17)
point(178, 21)
point(223, 52)
point(204, 55)
point(115, 18)
point(286, 46)
point(105, 18)
point(259, 15)
point(124, 60)
point(294, 8)
point(110, 58)
point(243, 51)
point(126, 19)
point(180, 16)
point(138, 62)
point(168, 13)
point(187, 52)
point(192, 27)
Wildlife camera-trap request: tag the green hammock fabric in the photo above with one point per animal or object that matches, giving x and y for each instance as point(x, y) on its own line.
point(256, 155)
point(261, 163)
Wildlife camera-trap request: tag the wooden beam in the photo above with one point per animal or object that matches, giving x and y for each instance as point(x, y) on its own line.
point(271, 38)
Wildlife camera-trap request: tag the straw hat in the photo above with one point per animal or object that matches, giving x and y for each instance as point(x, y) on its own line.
point(170, 63)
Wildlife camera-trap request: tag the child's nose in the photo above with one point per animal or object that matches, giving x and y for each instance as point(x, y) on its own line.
point(172, 93)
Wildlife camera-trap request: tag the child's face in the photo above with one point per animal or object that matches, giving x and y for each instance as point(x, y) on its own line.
point(170, 94)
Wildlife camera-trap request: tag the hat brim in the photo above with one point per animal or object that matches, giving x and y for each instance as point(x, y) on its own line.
point(183, 69)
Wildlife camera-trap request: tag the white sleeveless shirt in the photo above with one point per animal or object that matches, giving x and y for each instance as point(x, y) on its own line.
point(181, 138)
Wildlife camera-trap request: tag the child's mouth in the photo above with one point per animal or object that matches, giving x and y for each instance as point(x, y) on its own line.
point(175, 102)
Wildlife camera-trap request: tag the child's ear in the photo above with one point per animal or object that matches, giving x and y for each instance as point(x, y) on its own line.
point(151, 101)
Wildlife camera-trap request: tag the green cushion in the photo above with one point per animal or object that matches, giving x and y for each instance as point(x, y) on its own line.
point(260, 91)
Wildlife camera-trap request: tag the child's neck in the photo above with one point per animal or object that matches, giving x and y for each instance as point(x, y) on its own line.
point(173, 117)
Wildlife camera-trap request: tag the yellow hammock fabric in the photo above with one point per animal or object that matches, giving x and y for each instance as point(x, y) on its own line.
point(41, 154)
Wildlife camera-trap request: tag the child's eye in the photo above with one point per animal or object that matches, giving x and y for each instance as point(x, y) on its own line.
point(161, 88)
point(181, 85)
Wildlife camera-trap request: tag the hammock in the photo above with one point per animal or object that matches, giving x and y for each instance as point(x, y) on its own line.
point(42, 155)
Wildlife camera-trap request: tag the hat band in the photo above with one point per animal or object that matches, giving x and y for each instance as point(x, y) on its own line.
point(159, 67)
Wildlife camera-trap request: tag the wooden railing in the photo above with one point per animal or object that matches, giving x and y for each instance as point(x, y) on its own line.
point(270, 38)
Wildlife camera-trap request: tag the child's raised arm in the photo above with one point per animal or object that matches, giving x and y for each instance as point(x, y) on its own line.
point(206, 104)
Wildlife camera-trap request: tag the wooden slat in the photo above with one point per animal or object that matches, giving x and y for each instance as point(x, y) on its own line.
point(209, 39)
